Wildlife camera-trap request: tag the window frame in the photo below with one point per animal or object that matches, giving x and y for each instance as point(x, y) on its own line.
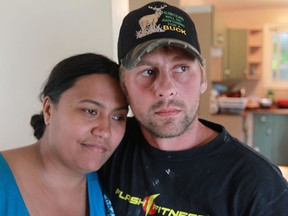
point(268, 56)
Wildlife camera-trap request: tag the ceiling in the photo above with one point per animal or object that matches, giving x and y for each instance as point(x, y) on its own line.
point(238, 4)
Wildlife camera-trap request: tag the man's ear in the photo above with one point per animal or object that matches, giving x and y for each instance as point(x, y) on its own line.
point(47, 106)
point(203, 85)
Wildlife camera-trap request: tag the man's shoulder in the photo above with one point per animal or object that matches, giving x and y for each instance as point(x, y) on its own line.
point(132, 126)
point(132, 135)
point(131, 121)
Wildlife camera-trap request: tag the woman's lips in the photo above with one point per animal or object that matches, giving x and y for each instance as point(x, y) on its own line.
point(95, 147)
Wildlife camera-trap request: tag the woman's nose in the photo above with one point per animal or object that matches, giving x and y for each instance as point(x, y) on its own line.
point(102, 127)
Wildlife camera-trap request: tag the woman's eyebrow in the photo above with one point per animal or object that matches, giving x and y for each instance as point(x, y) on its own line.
point(92, 102)
point(125, 107)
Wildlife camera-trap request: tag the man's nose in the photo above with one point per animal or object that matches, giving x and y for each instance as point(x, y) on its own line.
point(164, 85)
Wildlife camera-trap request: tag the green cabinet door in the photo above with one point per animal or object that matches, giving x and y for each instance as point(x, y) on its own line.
point(235, 54)
point(262, 138)
point(280, 139)
point(271, 137)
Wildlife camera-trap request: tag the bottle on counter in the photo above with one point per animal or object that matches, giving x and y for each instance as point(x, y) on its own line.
point(214, 107)
point(270, 96)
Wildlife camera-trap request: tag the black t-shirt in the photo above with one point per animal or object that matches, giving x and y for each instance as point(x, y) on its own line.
point(223, 177)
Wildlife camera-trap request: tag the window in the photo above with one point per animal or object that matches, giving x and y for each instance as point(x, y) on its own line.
point(280, 55)
point(276, 68)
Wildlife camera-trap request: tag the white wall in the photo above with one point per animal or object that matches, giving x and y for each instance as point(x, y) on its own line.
point(34, 36)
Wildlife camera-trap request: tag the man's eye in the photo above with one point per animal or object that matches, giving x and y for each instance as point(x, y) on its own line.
point(181, 69)
point(90, 111)
point(148, 72)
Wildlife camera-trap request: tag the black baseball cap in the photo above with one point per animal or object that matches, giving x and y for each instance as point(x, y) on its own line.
point(152, 26)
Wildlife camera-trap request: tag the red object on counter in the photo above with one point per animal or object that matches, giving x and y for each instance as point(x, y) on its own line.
point(282, 103)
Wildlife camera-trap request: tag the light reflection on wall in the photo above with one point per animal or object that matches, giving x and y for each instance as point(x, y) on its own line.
point(284, 170)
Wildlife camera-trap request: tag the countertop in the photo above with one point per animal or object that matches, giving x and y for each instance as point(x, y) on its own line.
point(272, 110)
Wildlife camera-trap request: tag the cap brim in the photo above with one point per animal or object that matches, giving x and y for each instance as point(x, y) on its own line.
point(134, 56)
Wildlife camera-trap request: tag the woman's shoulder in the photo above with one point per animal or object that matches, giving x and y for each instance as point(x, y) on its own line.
point(15, 157)
point(10, 197)
point(7, 181)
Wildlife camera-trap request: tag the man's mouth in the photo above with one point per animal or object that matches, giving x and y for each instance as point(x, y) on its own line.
point(167, 112)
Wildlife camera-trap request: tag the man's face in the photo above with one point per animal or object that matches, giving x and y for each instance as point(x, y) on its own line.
point(164, 91)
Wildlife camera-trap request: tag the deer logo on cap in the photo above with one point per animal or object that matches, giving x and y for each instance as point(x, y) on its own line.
point(148, 22)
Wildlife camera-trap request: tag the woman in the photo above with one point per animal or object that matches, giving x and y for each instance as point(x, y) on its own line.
point(82, 121)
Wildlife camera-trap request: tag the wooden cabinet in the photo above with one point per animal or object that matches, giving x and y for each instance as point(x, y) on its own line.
point(254, 53)
point(235, 54)
point(270, 136)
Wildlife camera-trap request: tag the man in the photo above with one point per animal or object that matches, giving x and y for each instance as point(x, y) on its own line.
point(170, 161)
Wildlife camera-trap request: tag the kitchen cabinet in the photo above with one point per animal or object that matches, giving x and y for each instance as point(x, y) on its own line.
point(270, 136)
point(235, 54)
point(254, 53)
point(232, 63)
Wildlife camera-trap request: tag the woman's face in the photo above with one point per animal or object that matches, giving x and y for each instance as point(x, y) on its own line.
point(84, 128)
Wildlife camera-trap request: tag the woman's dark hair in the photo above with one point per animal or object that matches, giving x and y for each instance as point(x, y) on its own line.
point(65, 74)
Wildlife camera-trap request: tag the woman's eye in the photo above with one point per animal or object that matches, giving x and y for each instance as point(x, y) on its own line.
point(148, 72)
point(181, 69)
point(90, 111)
point(119, 117)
